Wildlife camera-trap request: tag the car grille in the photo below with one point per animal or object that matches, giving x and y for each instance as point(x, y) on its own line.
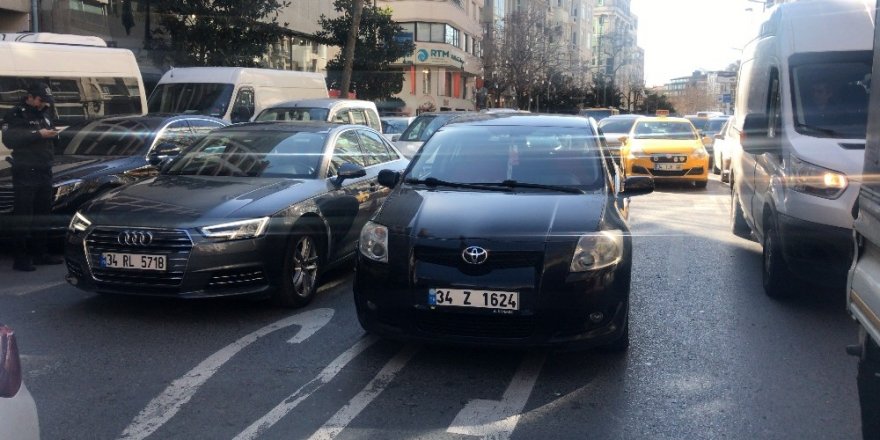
point(237, 278)
point(497, 259)
point(663, 173)
point(475, 325)
point(175, 244)
point(662, 158)
point(6, 199)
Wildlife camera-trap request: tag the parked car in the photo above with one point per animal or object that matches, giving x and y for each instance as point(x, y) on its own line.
point(615, 127)
point(502, 231)
point(94, 156)
point(251, 209)
point(423, 127)
point(711, 128)
point(18, 412)
point(340, 111)
point(668, 149)
point(395, 125)
point(803, 105)
point(724, 146)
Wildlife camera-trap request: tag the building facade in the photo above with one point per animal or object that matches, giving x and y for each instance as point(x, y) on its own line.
point(703, 91)
point(15, 15)
point(615, 51)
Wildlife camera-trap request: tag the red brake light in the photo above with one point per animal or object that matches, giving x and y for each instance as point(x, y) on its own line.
point(10, 363)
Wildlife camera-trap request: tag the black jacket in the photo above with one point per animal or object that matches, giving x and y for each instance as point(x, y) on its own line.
point(21, 126)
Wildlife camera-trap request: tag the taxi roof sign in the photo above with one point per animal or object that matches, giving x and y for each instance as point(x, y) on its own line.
point(662, 113)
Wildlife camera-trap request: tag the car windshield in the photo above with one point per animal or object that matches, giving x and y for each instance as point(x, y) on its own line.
point(198, 98)
point(121, 137)
point(253, 154)
point(495, 154)
point(423, 127)
point(672, 130)
point(714, 126)
point(699, 123)
point(294, 114)
point(394, 126)
point(617, 125)
point(831, 99)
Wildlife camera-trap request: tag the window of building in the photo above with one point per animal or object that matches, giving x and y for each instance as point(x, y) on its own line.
point(426, 82)
point(438, 32)
point(447, 91)
point(453, 36)
point(423, 31)
point(88, 6)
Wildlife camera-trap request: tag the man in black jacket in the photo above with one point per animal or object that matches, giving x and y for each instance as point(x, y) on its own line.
point(28, 130)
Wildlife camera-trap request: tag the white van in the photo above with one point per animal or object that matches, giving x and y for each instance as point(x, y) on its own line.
point(235, 94)
point(800, 118)
point(88, 79)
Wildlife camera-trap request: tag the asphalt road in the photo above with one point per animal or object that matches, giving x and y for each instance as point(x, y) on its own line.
point(711, 357)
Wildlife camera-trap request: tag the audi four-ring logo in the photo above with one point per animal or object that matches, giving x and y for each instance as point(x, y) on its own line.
point(135, 238)
point(474, 255)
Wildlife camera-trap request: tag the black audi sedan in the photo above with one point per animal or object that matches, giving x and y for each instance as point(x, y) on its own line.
point(96, 155)
point(251, 209)
point(505, 232)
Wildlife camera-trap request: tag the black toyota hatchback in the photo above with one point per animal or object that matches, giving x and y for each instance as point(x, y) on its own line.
point(251, 209)
point(505, 232)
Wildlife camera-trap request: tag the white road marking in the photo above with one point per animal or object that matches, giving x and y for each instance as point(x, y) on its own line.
point(357, 403)
point(17, 291)
point(165, 406)
point(305, 391)
point(497, 419)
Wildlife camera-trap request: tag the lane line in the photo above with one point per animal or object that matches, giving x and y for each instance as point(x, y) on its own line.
point(16, 292)
point(305, 391)
point(497, 419)
point(166, 405)
point(346, 414)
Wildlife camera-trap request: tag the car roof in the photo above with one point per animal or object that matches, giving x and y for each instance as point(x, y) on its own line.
point(616, 117)
point(664, 118)
point(324, 102)
point(293, 126)
point(526, 120)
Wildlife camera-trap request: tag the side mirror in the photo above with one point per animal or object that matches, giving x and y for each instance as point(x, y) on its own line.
point(389, 178)
point(163, 152)
point(349, 171)
point(395, 137)
point(637, 186)
point(755, 137)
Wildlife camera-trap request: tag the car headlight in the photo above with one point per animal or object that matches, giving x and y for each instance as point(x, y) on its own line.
point(815, 180)
point(238, 230)
point(66, 188)
point(78, 223)
point(373, 243)
point(597, 251)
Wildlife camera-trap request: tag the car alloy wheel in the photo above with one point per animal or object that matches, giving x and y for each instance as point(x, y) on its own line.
point(301, 272)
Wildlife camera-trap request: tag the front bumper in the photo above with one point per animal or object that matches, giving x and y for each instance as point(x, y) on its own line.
point(197, 267)
point(816, 252)
point(555, 314)
point(692, 168)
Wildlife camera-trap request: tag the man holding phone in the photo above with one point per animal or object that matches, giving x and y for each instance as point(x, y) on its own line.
point(29, 131)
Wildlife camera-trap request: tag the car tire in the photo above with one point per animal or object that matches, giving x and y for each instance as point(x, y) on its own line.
point(701, 184)
point(738, 224)
point(777, 278)
point(715, 169)
point(301, 271)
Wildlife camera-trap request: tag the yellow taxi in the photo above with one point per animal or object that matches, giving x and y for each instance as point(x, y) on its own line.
point(668, 149)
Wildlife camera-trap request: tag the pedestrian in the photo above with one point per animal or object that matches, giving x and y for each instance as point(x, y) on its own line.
point(28, 130)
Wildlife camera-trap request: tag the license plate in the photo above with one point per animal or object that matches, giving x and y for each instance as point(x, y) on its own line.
point(112, 260)
point(481, 299)
point(667, 166)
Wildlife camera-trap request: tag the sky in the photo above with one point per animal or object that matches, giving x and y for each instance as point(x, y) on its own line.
point(680, 36)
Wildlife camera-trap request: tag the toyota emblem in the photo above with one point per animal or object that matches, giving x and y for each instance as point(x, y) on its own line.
point(474, 255)
point(135, 238)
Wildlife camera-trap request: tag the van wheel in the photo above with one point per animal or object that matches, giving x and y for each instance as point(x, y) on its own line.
point(302, 264)
point(738, 224)
point(868, 380)
point(778, 280)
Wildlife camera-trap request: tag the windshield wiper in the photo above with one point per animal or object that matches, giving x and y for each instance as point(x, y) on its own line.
point(515, 184)
point(818, 130)
point(435, 182)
